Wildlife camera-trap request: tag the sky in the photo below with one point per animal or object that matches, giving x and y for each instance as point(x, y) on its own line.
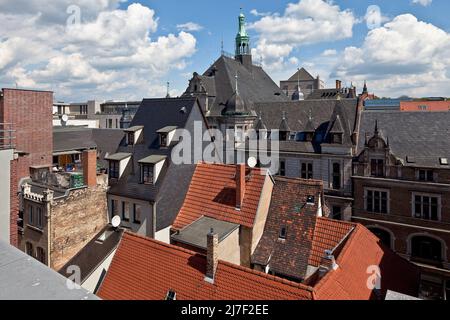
point(127, 50)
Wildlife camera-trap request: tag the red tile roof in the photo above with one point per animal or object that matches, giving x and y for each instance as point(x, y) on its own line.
point(212, 193)
point(145, 269)
point(349, 281)
point(327, 235)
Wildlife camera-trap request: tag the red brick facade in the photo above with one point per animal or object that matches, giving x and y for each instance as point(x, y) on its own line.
point(30, 113)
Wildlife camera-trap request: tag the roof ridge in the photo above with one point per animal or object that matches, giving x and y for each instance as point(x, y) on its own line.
point(309, 182)
point(130, 235)
point(268, 276)
point(352, 224)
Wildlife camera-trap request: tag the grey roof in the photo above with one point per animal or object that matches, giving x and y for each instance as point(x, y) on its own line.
point(167, 129)
point(95, 252)
point(133, 129)
point(303, 116)
point(196, 233)
point(153, 159)
point(395, 296)
point(118, 156)
point(422, 136)
point(24, 278)
point(173, 182)
point(331, 94)
point(254, 84)
point(67, 139)
point(302, 75)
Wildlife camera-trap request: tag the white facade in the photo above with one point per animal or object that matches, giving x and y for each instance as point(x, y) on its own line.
point(5, 181)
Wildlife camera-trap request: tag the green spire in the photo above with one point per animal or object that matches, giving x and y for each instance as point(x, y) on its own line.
point(242, 38)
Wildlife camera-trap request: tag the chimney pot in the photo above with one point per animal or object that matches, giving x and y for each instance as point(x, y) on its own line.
point(212, 254)
point(240, 185)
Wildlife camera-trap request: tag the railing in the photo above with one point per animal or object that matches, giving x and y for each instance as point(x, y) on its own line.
point(7, 136)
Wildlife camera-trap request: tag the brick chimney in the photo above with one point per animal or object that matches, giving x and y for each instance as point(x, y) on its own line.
point(90, 168)
point(212, 254)
point(240, 185)
point(338, 84)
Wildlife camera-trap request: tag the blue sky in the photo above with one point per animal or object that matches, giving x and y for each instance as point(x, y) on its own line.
point(128, 49)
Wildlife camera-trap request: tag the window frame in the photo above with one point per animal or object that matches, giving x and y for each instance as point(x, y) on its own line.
point(114, 169)
point(377, 168)
point(125, 217)
point(308, 172)
point(430, 196)
point(337, 175)
point(135, 206)
point(40, 255)
point(282, 171)
point(374, 198)
point(151, 174)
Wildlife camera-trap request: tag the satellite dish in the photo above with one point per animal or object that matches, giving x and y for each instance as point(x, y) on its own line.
point(252, 162)
point(116, 221)
point(64, 119)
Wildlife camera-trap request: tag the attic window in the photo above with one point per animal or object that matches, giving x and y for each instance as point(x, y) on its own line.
point(310, 200)
point(171, 295)
point(163, 139)
point(283, 233)
point(130, 137)
point(410, 159)
point(443, 161)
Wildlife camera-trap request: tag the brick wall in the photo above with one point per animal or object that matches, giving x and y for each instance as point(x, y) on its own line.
point(30, 113)
point(75, 221)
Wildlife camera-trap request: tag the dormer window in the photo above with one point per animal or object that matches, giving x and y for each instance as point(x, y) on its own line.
point(284, 135)
point(150, 168)
point(114, 169)
point(171, 295)
point(337, 138)
point(283, 233)
point(310, 200)
point(377, 168)
point(133, 135)
point(166, 135)
point(117, 164)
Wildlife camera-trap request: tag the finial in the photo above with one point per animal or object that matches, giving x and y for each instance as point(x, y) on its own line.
point(237, 77)
point(260, 115)
point(310, 114)
point(298, 79)
point(284, 115)
point(168, 90)
point(376, 128)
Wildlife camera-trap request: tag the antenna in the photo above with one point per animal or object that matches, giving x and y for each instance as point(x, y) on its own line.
point(116, 221)
point(168, 90)
point(221, 47)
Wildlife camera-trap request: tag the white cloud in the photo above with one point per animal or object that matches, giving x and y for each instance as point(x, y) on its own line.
point(303, 23)
point(111, 54)
point(405, 56)
point(329, 52)
point(190, 27)
point(424, 3)
point(256, 13)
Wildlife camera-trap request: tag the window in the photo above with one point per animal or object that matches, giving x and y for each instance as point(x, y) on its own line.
point(282, 168)
point(137, 211)
point(377, 167)
point(426, 248)
point(307, 171)
point(130, 138)
point(310, 200)
point(336, 212)
point(336, 176)
point(147, 174)
point(283, 233)
point(110, 123)
point(377, 201)
point(29, 249)
point(114, 208)
point(171, 295)
point(426, 175)
point(283, 135)
point(30, 215)
point(39, 217)
point(55, 160)
point(125, 211)
point(114, 169)
point(426, 207)
point(337, 138)
point(40, 255)
point(117, 123)
point(163, 140)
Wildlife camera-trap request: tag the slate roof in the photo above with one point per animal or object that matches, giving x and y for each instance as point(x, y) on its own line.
point(24, 278)
point(173, 182)
point(254, 84)
point(172, 268)
point(323, 114)
point(332, 94)
point(301, 74)
point(95, 252)
point(212, 193)
point(423, 136)
point(79, 139)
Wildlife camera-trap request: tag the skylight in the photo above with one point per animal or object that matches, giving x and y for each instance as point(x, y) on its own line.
point(443, 161)
point(171, 295)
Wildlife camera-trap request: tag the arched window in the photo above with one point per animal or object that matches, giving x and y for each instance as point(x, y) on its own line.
point(426, 248)
point(383, 235)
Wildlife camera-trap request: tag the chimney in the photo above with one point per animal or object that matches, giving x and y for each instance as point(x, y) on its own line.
point(338, 84)
point(90, 168)
point(240, 185)
point(212, 254)
point(327, 263)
